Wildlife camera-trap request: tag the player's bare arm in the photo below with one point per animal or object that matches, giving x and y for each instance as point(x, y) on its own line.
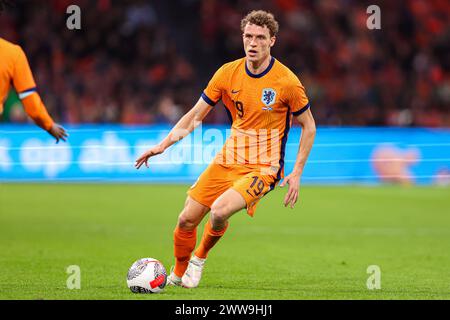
point(183, 128)
point(308, 125)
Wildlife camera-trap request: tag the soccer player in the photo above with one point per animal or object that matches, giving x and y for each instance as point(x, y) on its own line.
point(261, 95)
point(14, 69)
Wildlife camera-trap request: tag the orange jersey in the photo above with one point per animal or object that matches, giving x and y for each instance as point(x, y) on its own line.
point(14, 68)
point(260, 108)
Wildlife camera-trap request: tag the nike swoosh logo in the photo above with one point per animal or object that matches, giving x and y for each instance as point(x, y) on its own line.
point(235, 91)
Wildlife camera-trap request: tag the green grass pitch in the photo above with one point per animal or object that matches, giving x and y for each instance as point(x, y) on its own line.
point(319, 250)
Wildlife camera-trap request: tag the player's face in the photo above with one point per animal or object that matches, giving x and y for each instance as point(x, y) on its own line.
point(257, 42)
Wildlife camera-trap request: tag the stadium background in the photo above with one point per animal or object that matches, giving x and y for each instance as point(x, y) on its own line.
point(146, 63)
point(380, 99)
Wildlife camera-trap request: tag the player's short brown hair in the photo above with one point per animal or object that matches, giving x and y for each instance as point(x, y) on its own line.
point(261, 18)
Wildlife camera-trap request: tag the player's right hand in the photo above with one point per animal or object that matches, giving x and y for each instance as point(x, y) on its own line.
point(58, 132)
point(149, 153)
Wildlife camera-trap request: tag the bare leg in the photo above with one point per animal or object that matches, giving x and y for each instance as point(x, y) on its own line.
point(192, 214)
point(224, 207)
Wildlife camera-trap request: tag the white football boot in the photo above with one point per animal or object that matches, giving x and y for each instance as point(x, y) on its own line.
point(193, 274)
point(173, 279)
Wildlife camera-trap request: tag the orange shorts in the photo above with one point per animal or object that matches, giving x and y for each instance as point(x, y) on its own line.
point(251, 182)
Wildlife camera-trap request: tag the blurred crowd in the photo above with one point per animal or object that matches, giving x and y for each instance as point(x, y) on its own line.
point(143, 62)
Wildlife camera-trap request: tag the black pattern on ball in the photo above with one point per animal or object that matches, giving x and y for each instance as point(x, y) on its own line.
point(136, 269)
point(136, 289)
point(160, 270)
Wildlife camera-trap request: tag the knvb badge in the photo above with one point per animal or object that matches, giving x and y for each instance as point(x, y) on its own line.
point(268, 98)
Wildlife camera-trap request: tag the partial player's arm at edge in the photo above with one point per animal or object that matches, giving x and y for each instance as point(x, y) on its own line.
point(183, 128)
point(25, 86)
point(36, 110)
point(308, 125)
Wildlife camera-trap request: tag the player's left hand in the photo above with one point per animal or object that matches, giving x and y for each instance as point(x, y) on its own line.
point(294, 184)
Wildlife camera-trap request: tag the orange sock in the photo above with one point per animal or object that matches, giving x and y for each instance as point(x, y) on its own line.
point(184, 243)
point(209, 239)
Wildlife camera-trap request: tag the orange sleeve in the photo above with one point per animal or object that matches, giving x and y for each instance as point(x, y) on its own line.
point(295, 97)
point(22, 77)
point(26, 89)
point(213, 92)
point(35, 108)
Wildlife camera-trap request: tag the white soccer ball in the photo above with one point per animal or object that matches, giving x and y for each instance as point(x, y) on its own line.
point(147, 275)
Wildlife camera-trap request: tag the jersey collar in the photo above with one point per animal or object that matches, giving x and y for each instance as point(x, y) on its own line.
point(262, 74)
